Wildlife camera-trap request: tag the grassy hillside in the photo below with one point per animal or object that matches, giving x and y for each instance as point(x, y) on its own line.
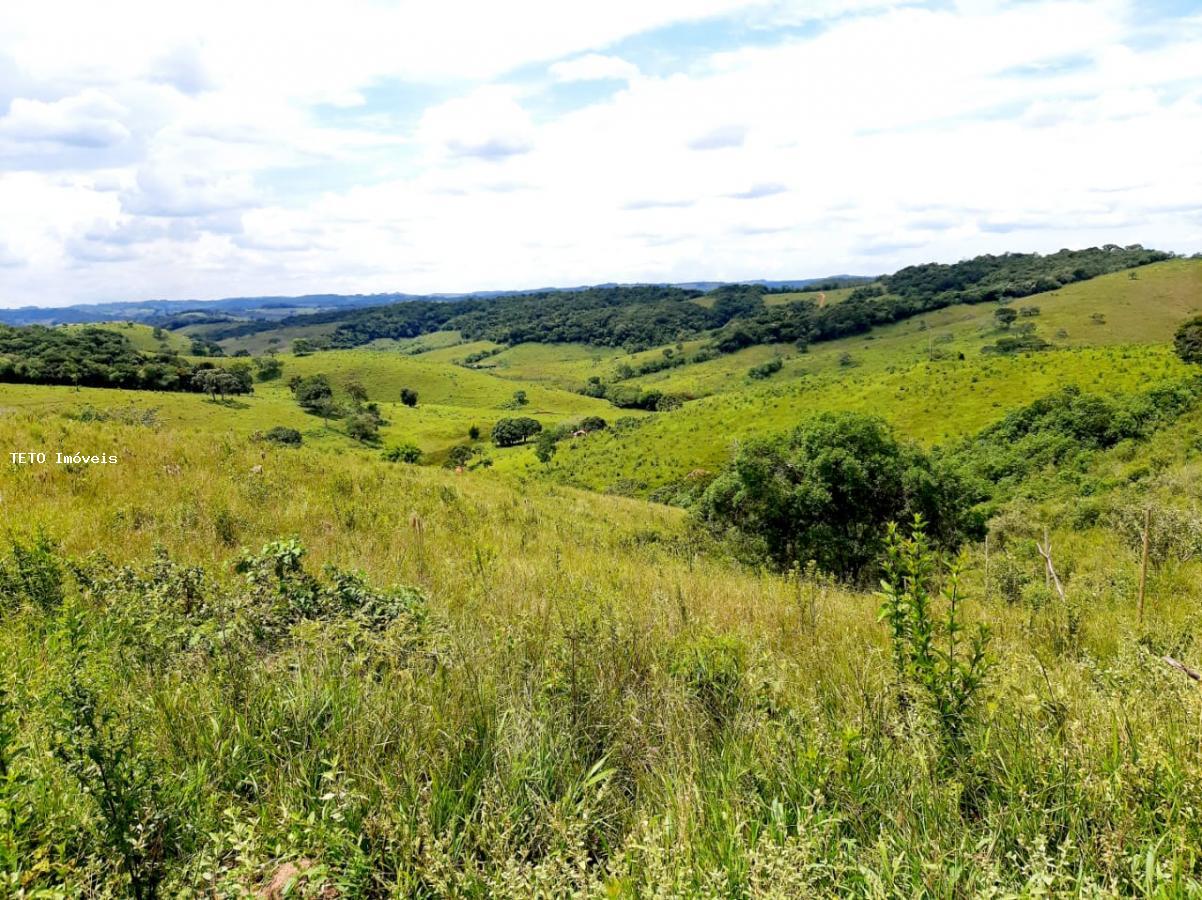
point(573, 673)
point(892, 374)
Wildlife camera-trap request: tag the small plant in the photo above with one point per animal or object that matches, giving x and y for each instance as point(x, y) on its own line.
point(32, 573)
point(713, 668)
point(99, 749)
point(932, 656)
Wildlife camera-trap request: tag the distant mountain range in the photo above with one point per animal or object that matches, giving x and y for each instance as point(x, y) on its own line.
point(273, 308)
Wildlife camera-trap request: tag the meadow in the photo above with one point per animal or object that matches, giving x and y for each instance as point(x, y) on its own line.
point(230, 668)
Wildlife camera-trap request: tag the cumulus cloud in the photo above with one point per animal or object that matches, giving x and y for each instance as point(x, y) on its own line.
point(233, 148)
point(90, 119)
point(486, 124)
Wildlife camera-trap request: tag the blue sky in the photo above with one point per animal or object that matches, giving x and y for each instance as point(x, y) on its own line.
point(173, 149)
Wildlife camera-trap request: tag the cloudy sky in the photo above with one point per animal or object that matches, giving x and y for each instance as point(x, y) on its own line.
point(206, 149)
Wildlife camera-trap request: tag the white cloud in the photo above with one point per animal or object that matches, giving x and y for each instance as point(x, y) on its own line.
point(231, 148)
point(486, 124)
point(90, 119)
point(594, 67)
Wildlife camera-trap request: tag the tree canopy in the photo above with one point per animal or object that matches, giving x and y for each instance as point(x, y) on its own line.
point(827, 492)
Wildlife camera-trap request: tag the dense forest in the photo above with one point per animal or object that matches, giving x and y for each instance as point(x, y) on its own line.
point(919, 289)
point(100, 357)
point(642, 316)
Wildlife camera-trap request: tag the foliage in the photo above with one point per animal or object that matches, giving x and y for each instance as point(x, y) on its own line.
point(827, 491)
point(509, 431)
point(409, 397)
point(766, 369)
point(288, 437)
point(406, 453)
point(100, 357)
point(312, 392)
point(929, 650)
point(544, 447)
point(363, 428)
point(1187, 341)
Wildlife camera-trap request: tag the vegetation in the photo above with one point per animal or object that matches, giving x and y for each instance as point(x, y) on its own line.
point(95, 357)
point(510, 431)
point(826, 494)
point(257, 657)
point(1187, 341)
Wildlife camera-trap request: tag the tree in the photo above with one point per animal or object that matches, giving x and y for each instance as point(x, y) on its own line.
point(473, 433)
point(217, 382)
point(593, 423)
point(269, 368)
point(409, 397)
point(459, 456)
point(1005, 316)
point(356, 391)
point(362, 427)
point(508, 432)
point(302, 347)
point(545, 447)
point(242, 374)
point(519, 398)
point(1187, 341)
point(826, 493)
point(313, 393)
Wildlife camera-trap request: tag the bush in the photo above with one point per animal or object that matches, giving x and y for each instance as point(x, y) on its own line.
point(289, 437)
point(827, 492)
point(406, 453)
point(1187, 341)
point(929, 652)
point(766, 369)
point(363, 428)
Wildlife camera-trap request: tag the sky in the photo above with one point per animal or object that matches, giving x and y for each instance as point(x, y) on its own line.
point(170, 149)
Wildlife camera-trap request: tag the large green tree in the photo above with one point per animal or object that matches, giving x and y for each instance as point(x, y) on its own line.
point(827, 492)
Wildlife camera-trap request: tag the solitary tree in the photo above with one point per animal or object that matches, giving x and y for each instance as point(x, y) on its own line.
point(409, 397)
point(1005, 316)
point(356, 391)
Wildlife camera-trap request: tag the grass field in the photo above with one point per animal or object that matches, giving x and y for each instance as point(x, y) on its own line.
point(584, 677)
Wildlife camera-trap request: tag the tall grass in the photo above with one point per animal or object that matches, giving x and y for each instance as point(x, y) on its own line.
point(572, 697)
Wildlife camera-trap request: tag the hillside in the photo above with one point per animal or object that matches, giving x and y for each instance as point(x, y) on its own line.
point(230, 661)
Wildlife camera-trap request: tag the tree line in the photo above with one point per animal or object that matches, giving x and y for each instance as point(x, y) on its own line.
point(101, 357)
point(637, 317)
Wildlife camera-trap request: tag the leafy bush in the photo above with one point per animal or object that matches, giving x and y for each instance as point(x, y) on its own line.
point(766, 369)
point(406, 453)
point(288, 437)
point(827, 491)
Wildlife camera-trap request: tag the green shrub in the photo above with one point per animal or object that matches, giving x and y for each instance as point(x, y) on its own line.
point(406, 453)
point(289, 437)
